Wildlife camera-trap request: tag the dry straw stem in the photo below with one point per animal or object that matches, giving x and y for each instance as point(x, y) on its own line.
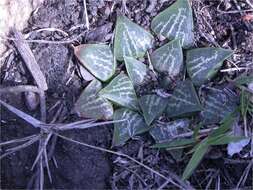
point(30, 61)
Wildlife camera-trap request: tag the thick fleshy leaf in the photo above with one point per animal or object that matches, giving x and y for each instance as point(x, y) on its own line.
point(121, 91)
point(133, 125)
point(184, 100)
point(90, 105)
point(152, 107)
point(168, 58)
point(175, 22)
point(162, 132)
point(203, 63)
point(98, 59)
point(130, 39)
point(136, 70)
point(217, 105)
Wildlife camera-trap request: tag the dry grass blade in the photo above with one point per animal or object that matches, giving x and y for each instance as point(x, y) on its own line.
point(20, 147)
point(80, 125)
point(47, 165)
point(42, 147)
point(30, 60)
point(34, 122)
point(181, 186)
point(17, 140)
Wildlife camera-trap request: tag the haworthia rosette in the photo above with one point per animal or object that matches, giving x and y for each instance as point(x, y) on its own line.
point(98, 59)
point(203, 63)
point(90, 105)
point(218, 104)
point(121, 91)
point(130, 39)
point(152, 107)
point(162, 132)
point(133, 125)
point(184, 100)
point(136, 70)
point(168, 58)
point(175, 22)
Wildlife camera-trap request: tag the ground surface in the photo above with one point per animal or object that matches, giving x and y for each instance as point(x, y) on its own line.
point(82, 168)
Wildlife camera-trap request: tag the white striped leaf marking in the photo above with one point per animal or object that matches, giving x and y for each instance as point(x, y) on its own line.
point(203, 63)
point(98, 59)
point(130, 39)
point(217, 105)
point(152, 107)
point(168, 58)
point(175, 22)
point(184, 100)
point(136, 70)
point(125, 130)
point(163, 132)
point(90, 105)
point(121, 91)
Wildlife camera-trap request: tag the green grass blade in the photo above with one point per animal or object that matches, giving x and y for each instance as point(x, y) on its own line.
point(195, 160)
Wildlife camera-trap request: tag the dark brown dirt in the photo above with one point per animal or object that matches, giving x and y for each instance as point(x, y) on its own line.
point(83, 168)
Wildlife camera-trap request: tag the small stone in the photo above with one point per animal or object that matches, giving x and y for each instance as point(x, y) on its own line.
point(32, 100)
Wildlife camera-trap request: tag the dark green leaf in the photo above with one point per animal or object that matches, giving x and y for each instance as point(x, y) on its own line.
point(98, 59)
point(168, 58)
point(203, 63)
point(171, 130)
point(184, 100)
point(125, 130)
point(175, 22)
point(130, 39)
point(136, 70)
point(217, 105)
point(90, 105)
point(152, 107)
point(121, 91)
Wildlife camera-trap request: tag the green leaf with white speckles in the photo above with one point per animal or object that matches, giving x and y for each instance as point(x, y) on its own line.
point(121, 91)
point(152, 107)
point(184, 100)
point(130, 39)
point(163, 132)
point(168, 58)
point(203, 63)
point(218, 104)
point(175, 22)
point(90, 105)
point(98, 59)
point(136, 70)
point(128, 129)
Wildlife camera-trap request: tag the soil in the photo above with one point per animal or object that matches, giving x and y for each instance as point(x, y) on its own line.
point(79, 167)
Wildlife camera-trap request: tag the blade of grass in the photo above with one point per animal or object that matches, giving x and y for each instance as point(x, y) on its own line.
point(195, 160)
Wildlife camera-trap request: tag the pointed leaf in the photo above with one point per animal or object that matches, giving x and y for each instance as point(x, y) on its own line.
point(152, 107)
point(168, 58)
point(136, 70)
point(203, 63)
point(98, 59)
point(171, 130)
point(196, 158)
point(175, 144)
point(125, 130)
point(90, 105)
point(175, 22)
point(121, 91)
point(130, 39)
point(218, 105)
point(184, 100)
